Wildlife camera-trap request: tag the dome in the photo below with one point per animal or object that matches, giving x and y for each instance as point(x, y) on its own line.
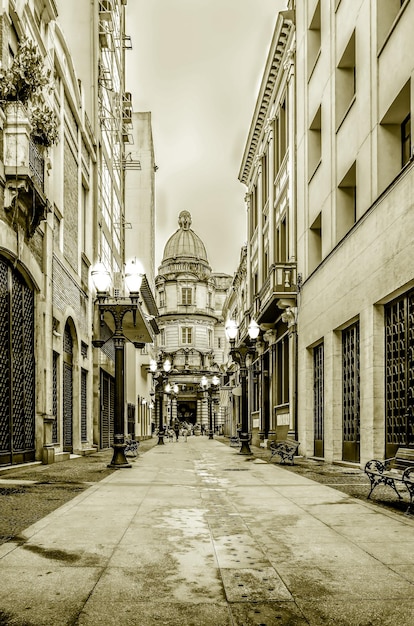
point(184, 242)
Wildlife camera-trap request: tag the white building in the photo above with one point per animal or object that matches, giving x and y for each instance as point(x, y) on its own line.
point(355, 227)
point(190, 300)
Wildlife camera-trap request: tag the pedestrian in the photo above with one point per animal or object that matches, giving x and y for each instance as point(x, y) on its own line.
point(176, 430)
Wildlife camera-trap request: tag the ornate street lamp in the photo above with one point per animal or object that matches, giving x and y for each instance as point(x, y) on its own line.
point(172, 393)
point(160, 375)
point(210, 390)
point(118, 308)
point(239, 355)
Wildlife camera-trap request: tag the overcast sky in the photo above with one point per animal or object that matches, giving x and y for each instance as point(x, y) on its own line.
point(197, 66)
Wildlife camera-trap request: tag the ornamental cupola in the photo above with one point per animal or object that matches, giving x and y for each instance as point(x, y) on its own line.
point(185, 252)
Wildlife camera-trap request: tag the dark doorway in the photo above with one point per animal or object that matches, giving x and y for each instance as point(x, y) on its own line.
point(17, 368)
point(187, 412)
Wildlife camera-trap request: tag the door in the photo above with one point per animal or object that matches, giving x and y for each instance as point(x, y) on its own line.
point(318, 400)
point(350, 394)
point(17, 368)
point(399, 373)
point(107, 410)
point(67, 391)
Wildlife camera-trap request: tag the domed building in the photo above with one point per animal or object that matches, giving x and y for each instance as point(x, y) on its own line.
point(190, 300)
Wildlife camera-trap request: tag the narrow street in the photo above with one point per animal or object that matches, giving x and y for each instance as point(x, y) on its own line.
point(195, 534)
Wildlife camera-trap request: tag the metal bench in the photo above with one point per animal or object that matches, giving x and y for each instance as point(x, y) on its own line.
point(131, 447)
point(234, 442)
point(286, 450)
point(398, 469)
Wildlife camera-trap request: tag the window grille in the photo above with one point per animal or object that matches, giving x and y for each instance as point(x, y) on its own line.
point(318, 399)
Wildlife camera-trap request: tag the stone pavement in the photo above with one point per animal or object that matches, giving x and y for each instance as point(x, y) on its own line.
point(196, 534)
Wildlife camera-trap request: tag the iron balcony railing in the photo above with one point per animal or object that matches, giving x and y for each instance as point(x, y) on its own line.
point(36, 165)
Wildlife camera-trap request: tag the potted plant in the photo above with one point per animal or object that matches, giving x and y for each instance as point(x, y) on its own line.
point(27, 75)
point(44, 124)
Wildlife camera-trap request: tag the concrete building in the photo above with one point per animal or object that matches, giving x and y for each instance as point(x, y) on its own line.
point(355, 178)
point(62, 208)
point(140, 168)
point(190, 300)
point(269, 293)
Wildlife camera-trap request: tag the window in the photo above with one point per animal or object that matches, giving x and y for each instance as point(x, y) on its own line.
point(315, 243)
point(406, 140)
point(253, 210)
point(281, 241)
point(186, 334)
point(265, 188)
point(219, 343)
point(394, 137)
point(282, 370)
point(314, 38)
point(162, 298)
point(210, 338)
point(387, 12)
point(162, 337)
point(186, 295)
point(210, 300)
point(345, 81)
point(315, 143)
point(280, 141)
point(346, 207)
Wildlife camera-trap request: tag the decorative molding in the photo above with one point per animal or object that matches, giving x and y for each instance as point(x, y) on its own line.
point(290, 316)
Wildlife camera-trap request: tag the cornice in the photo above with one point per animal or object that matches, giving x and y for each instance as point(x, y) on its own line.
point(273, 67)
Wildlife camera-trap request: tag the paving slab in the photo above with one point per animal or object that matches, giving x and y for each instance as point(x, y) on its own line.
point(195, 533)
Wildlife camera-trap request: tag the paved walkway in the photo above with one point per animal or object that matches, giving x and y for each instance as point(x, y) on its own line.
point(196, 534)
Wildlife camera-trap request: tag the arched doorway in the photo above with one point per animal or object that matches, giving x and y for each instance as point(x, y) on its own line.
point(17, 368)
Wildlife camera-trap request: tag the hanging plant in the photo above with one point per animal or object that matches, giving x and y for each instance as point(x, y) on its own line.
point(45, 127)
point(27, 75)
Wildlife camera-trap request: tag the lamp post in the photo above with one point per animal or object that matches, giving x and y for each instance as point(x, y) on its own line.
point(210, 390)
point(172, 392)
point(239, 355)
point(118, 308)
point(160, 375)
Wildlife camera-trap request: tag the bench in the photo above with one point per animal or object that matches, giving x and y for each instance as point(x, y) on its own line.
point(286, 450)
point(131, 447)
point(396, 470)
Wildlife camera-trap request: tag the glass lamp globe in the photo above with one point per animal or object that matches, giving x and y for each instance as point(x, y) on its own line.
point(101, 278)
point(254, 329)
point(168, 388)
point(215, 380)
point(204, 381)
point(231, 329)
point(167, 365)
point(175, 388)
point(133, 275)
point(153, 365)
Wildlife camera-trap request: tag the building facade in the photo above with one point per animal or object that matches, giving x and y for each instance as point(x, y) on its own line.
point(62, 208)
point(270, 290)
point(190, 299)
point(140, 171)
point(355, 177)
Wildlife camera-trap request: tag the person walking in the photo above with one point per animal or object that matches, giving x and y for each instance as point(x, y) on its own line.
point(176, 430)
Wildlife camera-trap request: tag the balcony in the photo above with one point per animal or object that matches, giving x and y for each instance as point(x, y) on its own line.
point(24, 168)
point(281, 283)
